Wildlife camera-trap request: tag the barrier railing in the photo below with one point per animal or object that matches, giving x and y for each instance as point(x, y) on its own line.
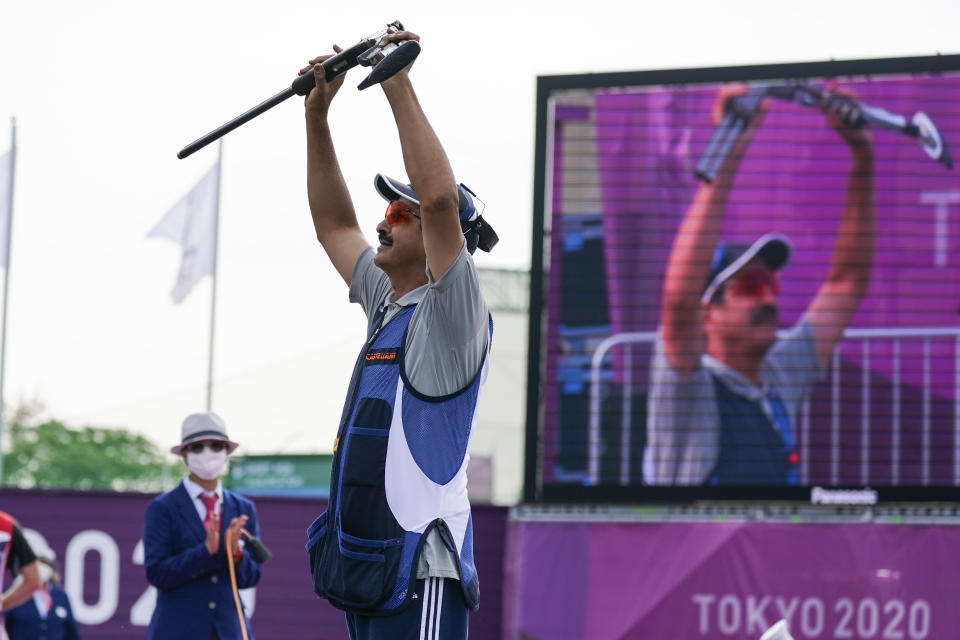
point(866, 337)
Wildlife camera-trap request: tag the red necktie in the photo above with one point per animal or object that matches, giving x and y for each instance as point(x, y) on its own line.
point(45, 596)
point(210, 502)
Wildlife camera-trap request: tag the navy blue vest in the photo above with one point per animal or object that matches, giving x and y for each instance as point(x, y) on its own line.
point(361, 558)
point(751, 449)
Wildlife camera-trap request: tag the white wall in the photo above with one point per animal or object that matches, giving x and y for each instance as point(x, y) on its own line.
point(500, 433)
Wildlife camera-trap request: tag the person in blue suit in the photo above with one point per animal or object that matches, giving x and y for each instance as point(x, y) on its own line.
point(47, 615)
point(184, 542)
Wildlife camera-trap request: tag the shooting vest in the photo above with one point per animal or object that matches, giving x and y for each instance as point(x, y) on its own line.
point(6, 541)
point(752, 451)
point(399, 472)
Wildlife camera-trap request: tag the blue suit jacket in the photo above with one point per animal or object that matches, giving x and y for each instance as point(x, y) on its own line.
point(24, 622)
point(193, 587)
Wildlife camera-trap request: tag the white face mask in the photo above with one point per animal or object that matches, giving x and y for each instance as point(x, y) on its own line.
point(207, 465)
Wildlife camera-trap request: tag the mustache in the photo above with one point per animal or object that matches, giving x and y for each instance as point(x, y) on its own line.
point(765, 314)
point(384, 238)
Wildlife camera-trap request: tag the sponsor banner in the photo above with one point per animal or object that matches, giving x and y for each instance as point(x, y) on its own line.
point(696, 581)
point(97, 539)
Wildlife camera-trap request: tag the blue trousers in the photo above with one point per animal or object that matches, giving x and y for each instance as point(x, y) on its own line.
point(438, 612)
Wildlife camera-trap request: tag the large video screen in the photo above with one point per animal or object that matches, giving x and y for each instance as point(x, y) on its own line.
point(746, 283)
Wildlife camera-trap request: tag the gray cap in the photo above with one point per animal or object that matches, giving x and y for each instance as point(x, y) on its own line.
point(203, 426)
point(730, 257)
point(476, 230)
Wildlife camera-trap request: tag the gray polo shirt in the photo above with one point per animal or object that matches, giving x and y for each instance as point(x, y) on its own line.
point(446, 343)
point(683, 421)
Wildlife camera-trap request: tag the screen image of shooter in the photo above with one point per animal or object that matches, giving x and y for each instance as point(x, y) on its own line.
point(886, 412)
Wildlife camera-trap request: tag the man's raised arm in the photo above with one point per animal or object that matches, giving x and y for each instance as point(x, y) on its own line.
point(428, 169)
point(692, 252)
point(334, 218)
point(849, 276)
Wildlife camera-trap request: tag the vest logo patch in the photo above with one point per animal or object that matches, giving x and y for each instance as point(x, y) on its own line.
point(381, 356)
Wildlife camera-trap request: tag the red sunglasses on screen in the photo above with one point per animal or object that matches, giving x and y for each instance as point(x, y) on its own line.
point(754, 283)
point(399, 212)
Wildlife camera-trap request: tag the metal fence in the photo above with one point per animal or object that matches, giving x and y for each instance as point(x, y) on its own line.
point(896, 338)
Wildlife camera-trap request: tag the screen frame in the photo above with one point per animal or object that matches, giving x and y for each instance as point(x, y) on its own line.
point(534, 490)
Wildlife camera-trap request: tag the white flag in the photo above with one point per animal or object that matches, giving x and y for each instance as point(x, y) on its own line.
point(6, 184)
point(192, 223)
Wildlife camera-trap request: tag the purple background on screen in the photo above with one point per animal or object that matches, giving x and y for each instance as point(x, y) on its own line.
point(792, 180)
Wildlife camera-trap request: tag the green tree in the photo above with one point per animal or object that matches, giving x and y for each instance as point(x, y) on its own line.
point(49, 454)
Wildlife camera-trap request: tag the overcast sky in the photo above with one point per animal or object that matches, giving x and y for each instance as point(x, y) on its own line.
point(106, 93)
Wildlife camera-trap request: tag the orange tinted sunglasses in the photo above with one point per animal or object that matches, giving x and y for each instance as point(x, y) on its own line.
point(399, 212)
point(755, 283)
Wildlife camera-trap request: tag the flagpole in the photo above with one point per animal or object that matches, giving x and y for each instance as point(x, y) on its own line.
point(213, 289)
point(6, 277)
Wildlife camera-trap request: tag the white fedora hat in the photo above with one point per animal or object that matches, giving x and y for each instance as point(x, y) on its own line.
point(203, 426)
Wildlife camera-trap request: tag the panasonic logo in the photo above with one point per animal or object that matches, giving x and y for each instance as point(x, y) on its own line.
point(819, 495)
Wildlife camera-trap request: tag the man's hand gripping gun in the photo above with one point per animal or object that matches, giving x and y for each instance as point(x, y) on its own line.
point(385, 61)
point(739, 110)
